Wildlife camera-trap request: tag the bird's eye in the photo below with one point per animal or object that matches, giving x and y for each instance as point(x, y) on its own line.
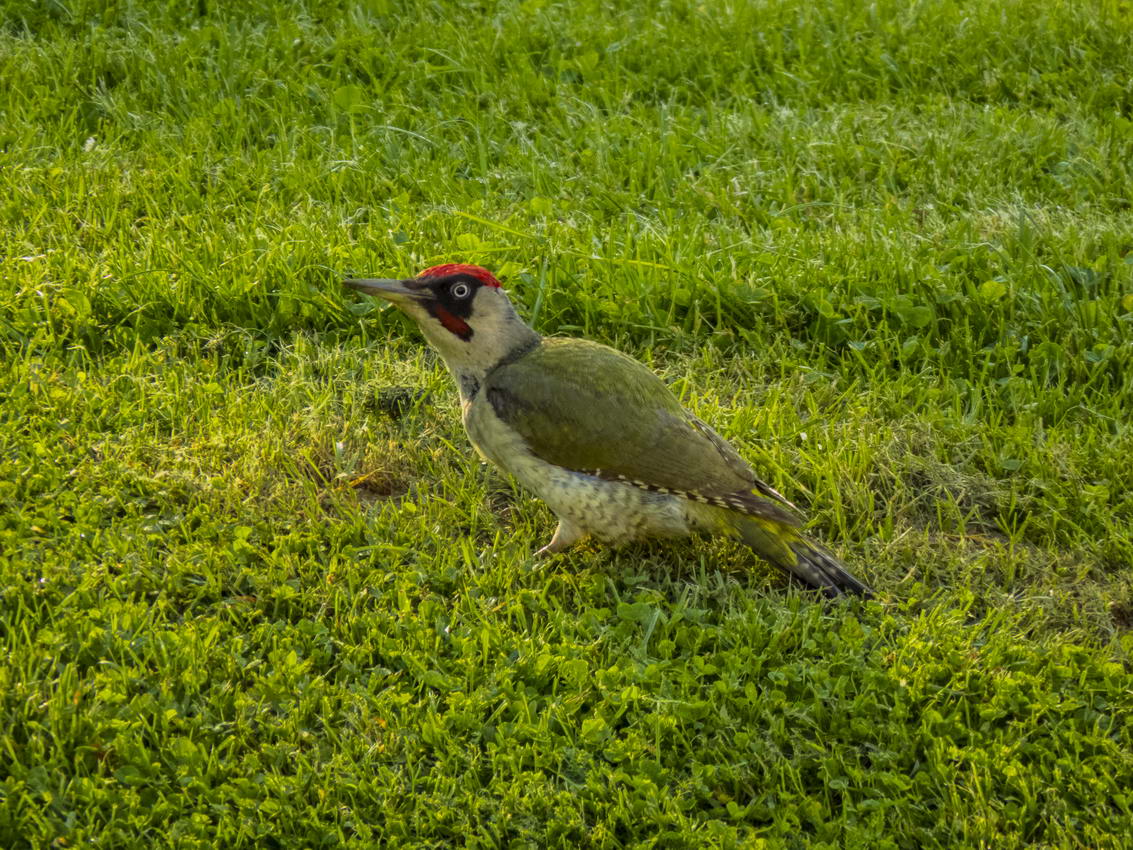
point(461, 290)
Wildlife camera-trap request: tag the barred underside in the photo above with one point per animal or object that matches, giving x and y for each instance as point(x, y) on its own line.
point(770, 531)
point(742, 501)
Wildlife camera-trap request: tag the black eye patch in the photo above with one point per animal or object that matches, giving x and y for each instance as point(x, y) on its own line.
point(456, 293)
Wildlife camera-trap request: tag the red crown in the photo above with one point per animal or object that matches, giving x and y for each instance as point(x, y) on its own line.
point(481, 274)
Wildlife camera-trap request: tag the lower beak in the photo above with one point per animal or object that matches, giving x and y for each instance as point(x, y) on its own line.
point(391, 290)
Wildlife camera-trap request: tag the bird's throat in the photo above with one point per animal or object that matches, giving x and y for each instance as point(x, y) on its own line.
point(471, 381)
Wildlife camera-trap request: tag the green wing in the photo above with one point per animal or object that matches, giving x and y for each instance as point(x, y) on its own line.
point(590, 408)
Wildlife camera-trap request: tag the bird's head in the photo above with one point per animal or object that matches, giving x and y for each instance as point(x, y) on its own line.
point(463, 312)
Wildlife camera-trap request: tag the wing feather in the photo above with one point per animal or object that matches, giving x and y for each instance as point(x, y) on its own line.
point(587, 407)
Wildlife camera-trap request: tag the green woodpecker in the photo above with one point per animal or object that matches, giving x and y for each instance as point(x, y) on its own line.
point(594, 433)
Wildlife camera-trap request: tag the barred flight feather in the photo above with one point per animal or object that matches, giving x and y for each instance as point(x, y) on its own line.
point(746, 503)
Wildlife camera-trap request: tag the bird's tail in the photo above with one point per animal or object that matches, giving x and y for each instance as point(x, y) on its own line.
point(788, 549)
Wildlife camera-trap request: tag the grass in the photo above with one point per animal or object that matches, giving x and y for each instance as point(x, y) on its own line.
point(255, 590)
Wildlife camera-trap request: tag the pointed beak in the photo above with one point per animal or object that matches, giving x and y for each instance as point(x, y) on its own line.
point(395, 291)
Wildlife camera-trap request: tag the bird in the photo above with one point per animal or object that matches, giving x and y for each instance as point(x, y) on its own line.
point(594, 433)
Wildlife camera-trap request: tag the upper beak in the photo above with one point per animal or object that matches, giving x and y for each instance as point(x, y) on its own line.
point(396, 291)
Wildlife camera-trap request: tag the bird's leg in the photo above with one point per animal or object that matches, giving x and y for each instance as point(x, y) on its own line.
point(565, 536)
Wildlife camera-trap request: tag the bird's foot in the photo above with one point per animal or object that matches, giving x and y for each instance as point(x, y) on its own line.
point(565, 536)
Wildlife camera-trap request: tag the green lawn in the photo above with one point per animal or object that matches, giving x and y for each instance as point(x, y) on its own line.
point(257, 591)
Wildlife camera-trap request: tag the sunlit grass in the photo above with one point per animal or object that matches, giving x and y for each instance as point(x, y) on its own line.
point(255, 589)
